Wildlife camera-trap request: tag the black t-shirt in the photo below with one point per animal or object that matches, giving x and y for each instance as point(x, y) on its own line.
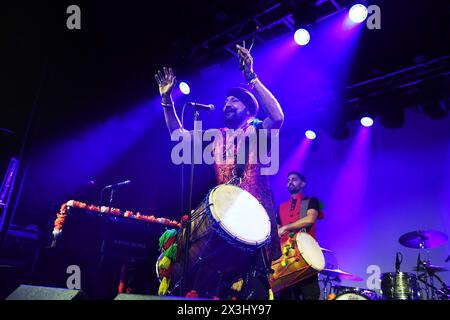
point(313, 204)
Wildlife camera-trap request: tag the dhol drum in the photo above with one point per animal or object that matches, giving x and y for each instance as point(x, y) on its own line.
point(400, 286)
point(302, 258)
point(227, 229)
point(351, 293)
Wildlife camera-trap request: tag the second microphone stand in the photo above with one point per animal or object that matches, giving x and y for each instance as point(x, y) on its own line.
point(189, 214)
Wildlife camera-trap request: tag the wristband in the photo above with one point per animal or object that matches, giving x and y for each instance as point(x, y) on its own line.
point(166, 105)
point(252, 81)
point(251, 78)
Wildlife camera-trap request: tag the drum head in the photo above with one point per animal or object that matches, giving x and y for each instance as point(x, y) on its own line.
point(352, 293)
point(240, 214)
point(310, 251)
point(351, 296)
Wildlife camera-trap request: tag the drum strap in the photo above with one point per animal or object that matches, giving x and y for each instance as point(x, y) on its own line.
point(303, 210)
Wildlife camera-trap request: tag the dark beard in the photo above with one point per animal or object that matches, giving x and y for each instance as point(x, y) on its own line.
point(234, 121)
point(228, 121)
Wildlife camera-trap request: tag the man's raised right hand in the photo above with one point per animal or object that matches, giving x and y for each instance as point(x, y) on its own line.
point(166, 81)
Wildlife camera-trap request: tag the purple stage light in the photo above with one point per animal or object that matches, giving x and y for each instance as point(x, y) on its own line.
point(301, 37)
point(367, 121)
point(184, 87)
point(358, 13)
point(311, 135)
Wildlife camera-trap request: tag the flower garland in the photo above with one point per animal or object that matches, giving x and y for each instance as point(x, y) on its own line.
point(64, 210)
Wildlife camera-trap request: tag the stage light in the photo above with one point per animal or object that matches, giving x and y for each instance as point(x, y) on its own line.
point(301, 37)
point(367, 121)
point(311, 135)
point(184, 88)
point(358, 13)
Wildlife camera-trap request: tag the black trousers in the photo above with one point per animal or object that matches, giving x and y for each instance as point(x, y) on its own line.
point(307, 289)
point(256, 280)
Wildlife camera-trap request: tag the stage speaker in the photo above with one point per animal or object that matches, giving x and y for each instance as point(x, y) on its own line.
point(25, 292)
point(124, 296)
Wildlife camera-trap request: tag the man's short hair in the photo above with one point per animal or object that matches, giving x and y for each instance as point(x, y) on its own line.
point(298, 174)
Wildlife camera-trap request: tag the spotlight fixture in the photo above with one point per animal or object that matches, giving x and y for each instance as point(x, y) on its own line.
point(436, 109)
point(357, 13)
point(302, 37)
point(311, 135)
point(304, 14)
point(367, 121)
point(184, 87)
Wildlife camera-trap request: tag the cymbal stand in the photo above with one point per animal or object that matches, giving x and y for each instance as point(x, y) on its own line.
point(428, 280)
point(444, 293)
point(327, 282)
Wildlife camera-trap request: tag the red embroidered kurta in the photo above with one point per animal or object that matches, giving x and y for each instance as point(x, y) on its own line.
point(256, 184)
point(289, 212)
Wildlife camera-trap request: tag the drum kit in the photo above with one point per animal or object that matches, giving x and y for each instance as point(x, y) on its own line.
point(426, 278)
point(396, 285)
point(230, 226)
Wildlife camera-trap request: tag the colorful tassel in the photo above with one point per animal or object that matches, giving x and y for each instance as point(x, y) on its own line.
point(321, 205)
point(165, 272)
point(169, 242)
point(165, 236)
point(164, 263)
point(164, 286)
point(237, 286)
point(171, 252)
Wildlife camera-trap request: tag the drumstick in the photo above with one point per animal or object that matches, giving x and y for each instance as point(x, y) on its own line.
point(253, 39)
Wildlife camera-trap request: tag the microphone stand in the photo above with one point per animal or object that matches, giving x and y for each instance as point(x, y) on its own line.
point(444, 292)
point(104, 221)
point(189, 214)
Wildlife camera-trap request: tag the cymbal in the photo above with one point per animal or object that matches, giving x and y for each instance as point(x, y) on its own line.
point(341, 274)
point(430, 267)
point(423, 239)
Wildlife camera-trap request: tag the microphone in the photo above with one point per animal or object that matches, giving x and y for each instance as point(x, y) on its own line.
point(6, 131)
point(123, 183)
point(199, 106)
point(398, 261)
point(90, 183)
